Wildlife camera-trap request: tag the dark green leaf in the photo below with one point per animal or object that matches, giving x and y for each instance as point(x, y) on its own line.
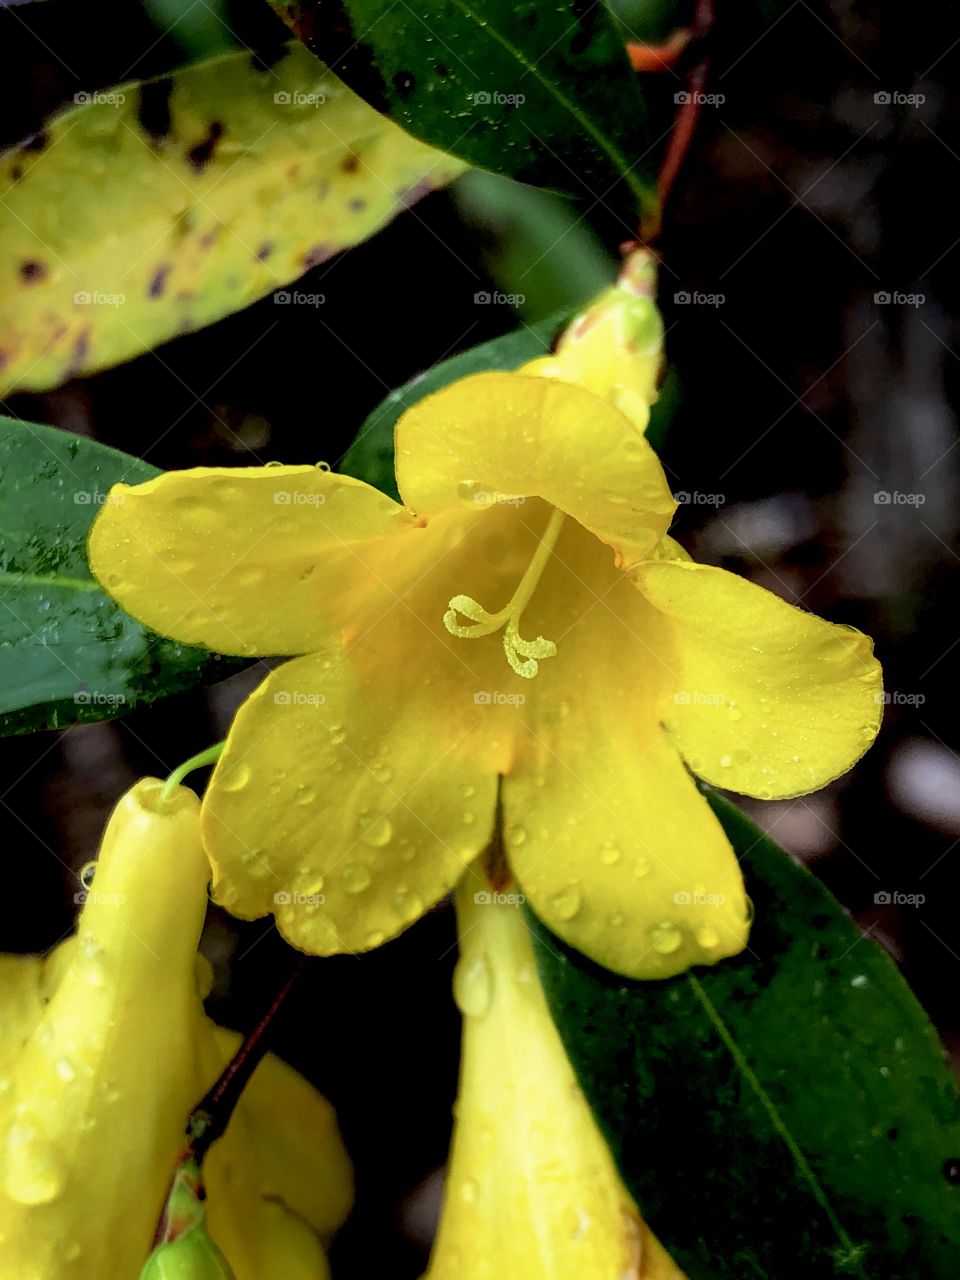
point(787, 1113)
point(68, 654)
point(539, 92)
point(370, 457)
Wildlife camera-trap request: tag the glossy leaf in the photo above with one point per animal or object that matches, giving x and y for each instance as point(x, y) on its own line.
point(68, 654)
point(786, 1113)
point(370, 457)
point(538, 92)
point(158, 207)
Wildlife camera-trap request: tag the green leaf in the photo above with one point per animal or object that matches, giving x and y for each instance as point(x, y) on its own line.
point(370, 457)
point(539, 92)
point(68, 654)
point(156, 208)
point(787, 1113)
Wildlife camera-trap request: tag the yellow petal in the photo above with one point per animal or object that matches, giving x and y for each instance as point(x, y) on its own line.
point(532, 1192)
point(355, 787)
point(495, 437)
point(768, 700)
point(250, 560)
point(21, 1004)
point(614, 846)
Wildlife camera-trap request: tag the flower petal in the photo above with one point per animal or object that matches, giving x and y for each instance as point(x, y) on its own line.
point(494, 436)
point(611, 841)
point(251, 560)
point(768, 701)
point(354, 789)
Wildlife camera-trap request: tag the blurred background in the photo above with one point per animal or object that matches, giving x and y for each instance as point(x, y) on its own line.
point(808, 285)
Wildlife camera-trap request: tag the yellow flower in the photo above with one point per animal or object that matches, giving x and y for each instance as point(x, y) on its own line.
point(105, 1050)
point(532, 1190)
point(519, 640)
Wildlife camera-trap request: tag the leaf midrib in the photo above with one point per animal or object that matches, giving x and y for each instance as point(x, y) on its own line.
point(803, 1165)
point(620, 161)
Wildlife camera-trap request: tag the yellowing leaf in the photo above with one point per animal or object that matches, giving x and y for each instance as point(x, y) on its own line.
point(160, 206)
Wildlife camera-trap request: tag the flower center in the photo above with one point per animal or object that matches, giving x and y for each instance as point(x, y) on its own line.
point(524, 656)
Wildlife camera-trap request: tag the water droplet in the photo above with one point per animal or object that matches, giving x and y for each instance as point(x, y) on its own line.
point(469, 1191)
point(473, 985)
point(306, 795)
point(516, 834)
point(376, 829)
point(726, 762)
point(734, 713)
point(337, 734)
point(31, 1173)
point(467, 489)
point(65, 1069)
point(859, 981)
point(666, 938)
point(469, 819)
point(410, 905)
point(748, 910)
point(375, 938)
point(566, 903)
point(467, 791)
point(323, 466)
point(382, 772)
point(610, 853)
point(708, 937)
point(87, 872)
point(235, 779)
point(91, 962)
point(641, 868)
point(355, 879)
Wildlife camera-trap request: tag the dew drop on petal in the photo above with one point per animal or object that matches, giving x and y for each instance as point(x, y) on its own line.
point(473, 985)
point(235, 779)
point(355, 879)
point(469, 1191)
point(566, 903)
point(641, 868)
point(726, 762)
point(708, 937)
point(31, 1171)
point(610, 853)
point(376, 829)
point(666, 938)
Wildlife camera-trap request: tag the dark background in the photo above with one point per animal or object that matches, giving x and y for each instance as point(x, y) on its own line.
point(801, 399)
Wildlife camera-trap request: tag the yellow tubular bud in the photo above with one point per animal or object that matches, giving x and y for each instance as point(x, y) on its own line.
point(532, 1190)
point(614, 347)
point(96, 1085)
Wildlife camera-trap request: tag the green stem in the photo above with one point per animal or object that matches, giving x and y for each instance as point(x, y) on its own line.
point(199, 761)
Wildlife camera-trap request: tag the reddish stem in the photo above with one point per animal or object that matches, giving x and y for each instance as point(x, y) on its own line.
point(685, 122)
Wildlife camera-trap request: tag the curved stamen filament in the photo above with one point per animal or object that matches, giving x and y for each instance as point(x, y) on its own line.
point(524, 656)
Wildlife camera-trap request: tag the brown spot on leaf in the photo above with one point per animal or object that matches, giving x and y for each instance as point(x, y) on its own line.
point(4, 359)
point(357, 206)
point(153, 109)
point(159, 281)
point(200, 155)
point(81, 349)
point(16, 173)
point(323, 189)
point(32, 271)
point(210, 238)
point(319, 253)
point(350, 162)
point(264, 252)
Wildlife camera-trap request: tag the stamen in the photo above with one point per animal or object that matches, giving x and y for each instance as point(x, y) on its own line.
point(524, 656)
